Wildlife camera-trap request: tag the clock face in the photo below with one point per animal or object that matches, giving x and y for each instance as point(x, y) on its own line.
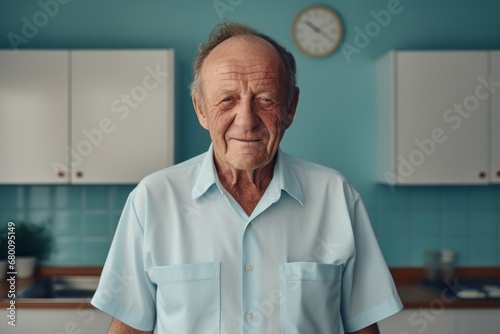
point(317, 31)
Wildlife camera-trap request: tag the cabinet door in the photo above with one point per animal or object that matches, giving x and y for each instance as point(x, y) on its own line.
point(495, 117)
point(80, 320)
point(442, 117)
point(122, 115)
point(484, 321)
point(422, 320)
point(33, 116)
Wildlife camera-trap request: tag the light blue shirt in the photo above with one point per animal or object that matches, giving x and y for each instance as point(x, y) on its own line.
point(186, 258)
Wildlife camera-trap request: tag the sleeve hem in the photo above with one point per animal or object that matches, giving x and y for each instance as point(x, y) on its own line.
point(374, 315)
point(126, 315)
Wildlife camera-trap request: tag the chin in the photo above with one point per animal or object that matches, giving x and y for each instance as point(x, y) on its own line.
point(250, 164)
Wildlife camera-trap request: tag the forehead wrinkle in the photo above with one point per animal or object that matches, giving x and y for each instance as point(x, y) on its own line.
point(240, 87)
point(248, 73)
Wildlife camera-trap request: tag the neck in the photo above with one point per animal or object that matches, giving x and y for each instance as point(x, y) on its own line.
point(246, 186)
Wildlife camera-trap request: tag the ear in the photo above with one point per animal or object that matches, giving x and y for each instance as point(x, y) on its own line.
point(197, 104)
point(292, 108)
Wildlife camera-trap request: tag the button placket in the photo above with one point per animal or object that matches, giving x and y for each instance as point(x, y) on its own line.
point(250, 279)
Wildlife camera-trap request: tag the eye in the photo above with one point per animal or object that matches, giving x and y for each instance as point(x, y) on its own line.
point(227, 103)
point(266, 103)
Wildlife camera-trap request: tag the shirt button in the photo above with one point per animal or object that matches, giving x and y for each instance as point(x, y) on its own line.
point(249, 226)
point(249, 267)
point(250, 315)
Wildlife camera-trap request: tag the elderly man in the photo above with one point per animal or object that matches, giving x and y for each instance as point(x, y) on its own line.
point(245, 238)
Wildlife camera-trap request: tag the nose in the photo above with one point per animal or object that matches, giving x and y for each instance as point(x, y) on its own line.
point(246, 117)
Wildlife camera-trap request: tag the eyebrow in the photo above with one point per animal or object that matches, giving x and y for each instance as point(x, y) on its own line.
point(271, 89)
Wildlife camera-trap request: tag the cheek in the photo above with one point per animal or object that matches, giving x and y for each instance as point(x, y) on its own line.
point(274, 123)
point(220, 122)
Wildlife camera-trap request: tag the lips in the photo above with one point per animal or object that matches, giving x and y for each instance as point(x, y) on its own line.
point(247, 140)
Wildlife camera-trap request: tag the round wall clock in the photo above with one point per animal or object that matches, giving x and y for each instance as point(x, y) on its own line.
point(317, 31)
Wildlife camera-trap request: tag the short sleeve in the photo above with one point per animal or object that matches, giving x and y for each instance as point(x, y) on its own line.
point(125, 291)
point(368, 291)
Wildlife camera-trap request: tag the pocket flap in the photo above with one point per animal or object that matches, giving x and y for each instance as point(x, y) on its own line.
point(186, 272)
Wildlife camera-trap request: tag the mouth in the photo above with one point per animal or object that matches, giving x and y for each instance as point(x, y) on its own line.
point(247, 140)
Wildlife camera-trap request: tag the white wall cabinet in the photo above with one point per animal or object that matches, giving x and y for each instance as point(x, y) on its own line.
point(33, 115)
point(434, 112)
point(112, 121)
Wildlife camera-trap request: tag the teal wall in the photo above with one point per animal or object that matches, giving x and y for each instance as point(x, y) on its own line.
point(335, 124)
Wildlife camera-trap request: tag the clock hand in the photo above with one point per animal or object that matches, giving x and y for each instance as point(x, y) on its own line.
point(318, 30)
point(312, 26)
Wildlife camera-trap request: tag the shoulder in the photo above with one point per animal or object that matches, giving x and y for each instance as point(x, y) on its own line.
point(315, 170)
point(312, 167)
point(180, 174)
point(174, 171)
point(311, 174)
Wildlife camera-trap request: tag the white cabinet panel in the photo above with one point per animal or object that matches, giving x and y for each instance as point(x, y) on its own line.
point(495, 117)
point(442, 321)
point(122, 104)
point(434, 118)
point(484, 321)
point(33, 116)
point(429, 321)
point(79, 320)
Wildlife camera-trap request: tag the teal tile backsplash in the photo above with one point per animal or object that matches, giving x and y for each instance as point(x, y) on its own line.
point(407, 220)
point(82, 218)
point(410, 220)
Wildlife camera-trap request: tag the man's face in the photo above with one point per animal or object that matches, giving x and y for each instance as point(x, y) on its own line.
point(244, 104)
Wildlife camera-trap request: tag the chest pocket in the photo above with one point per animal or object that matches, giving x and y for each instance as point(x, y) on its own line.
point(311, 298)
point(188, 298)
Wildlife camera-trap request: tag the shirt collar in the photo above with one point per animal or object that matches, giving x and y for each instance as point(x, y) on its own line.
point(206, 175)
point(284, 178)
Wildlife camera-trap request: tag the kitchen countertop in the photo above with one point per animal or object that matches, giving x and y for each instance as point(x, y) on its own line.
point(44, 272)
point(412, 294)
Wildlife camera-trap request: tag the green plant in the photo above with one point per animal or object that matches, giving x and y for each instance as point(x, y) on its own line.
point(33, 240)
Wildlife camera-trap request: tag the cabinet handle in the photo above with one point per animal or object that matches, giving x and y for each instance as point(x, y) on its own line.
point(79, 174)
point(60, 173)
point(482, 175)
